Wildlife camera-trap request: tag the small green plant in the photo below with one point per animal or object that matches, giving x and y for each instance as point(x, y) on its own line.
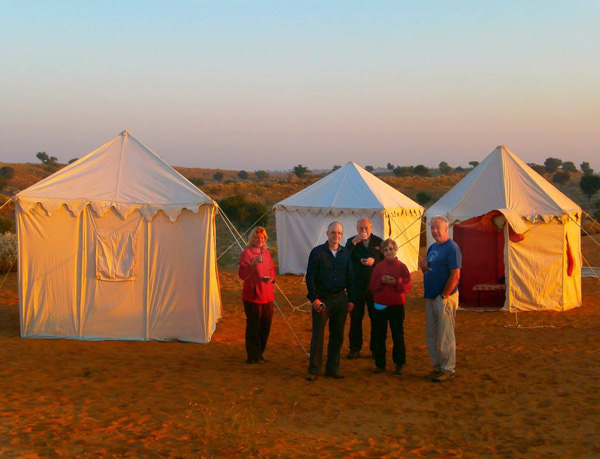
point(218, 176)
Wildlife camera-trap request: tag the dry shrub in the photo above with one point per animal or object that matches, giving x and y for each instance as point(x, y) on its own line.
point(8, 251)
point(590, 227)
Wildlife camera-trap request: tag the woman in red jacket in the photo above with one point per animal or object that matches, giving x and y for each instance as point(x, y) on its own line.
point(258, 273)
point(389, 282)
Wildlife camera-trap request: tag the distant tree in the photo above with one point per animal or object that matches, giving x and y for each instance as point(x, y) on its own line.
point(7, 172)
point(403, 171)
point(552, 164)
point(536, 167)
point(473, 164)
point(49, 161)
point(218, 176)
point(561, 177)
point(261, 175)
point(3, 182)
point(423, 197)
point(445, 168)
point(335, 168)
point(369, 168)
point(197, 181)
point(301, 171)
point(590, 184)
point(459, 169)
point(71, 161)
point(243, 175)
point(421, 171)
point(42, 156)
point(390, 166)
point(569, 166)
point(586, 169)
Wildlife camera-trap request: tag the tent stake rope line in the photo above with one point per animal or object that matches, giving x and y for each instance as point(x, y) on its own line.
point(7, 201)
point(409, 240)
point(227, 223)
point(251, 226)
point(8, 272)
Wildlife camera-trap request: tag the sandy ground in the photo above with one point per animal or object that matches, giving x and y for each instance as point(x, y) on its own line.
point(519, 391)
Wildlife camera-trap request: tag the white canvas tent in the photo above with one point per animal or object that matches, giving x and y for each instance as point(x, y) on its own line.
point(515, 228)
point(346, 195)
point(117, 245)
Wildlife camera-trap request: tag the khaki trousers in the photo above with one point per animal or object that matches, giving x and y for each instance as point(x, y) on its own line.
point(440, 316)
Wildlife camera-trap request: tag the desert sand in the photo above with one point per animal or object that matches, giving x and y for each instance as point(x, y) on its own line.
point(519, 392)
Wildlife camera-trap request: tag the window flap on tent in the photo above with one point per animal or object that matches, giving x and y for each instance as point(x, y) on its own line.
point(115, 255)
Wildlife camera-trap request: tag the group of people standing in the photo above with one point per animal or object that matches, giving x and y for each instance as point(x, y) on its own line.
point(364, 274)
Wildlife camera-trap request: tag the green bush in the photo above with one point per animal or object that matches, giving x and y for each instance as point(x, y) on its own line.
point(197, 181)
point(8, 251)
point(244, 213)
point(7, 172)
point(7, 224)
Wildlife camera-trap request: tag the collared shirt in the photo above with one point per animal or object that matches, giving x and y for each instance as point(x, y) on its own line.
point(372, 249)
point(327, 274)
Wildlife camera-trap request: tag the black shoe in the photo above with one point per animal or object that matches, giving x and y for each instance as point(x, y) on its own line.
point(335, 375)
point(379, 370)
point(353, 355)
point(252, 361)
point(398, 370)
point(310, 377)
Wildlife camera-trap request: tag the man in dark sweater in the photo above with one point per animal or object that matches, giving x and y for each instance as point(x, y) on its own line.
point(330, 282)
point(365, 251)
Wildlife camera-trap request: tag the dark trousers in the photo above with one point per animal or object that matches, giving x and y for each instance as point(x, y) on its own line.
point(355, 336)
point(335, 312)
point(394, 315)
point(258, 327)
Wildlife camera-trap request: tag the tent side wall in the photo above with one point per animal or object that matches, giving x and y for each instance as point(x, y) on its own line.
point(297, 234)
point(405, 229)
point(572, 284)
point(171, 288)
point(537, 269)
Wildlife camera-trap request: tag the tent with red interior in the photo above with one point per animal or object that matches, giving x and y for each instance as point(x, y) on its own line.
point(519, 236)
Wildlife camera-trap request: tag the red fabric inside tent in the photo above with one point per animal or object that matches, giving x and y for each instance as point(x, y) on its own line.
point(482, 247)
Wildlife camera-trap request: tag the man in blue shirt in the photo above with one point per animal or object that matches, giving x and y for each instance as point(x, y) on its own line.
point(441, 274)
point(330, 284)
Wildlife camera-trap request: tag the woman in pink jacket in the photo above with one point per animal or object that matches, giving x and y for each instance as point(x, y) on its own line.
point(258, 273)
point(390, 280)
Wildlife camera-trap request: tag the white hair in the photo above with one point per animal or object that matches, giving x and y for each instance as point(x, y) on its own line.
point(440, 218)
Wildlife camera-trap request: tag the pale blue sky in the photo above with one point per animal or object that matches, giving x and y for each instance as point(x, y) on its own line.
point(268, 85)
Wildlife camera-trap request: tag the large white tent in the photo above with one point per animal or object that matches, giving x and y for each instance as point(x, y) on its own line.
point(117, 245)
point(515, 230)
point(346, 195)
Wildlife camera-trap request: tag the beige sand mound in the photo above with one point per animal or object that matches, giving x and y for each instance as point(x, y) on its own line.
point(518, 392)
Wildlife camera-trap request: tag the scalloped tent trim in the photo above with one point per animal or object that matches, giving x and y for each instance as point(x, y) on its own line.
point(324, 211)
point(101, 208)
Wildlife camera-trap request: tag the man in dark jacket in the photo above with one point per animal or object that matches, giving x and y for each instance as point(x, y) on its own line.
point(365, 251)
point(330, 282)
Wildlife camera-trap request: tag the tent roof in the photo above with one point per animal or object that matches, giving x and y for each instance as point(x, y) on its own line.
point(503, 182)
point(349, 188)
point(123, 174)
